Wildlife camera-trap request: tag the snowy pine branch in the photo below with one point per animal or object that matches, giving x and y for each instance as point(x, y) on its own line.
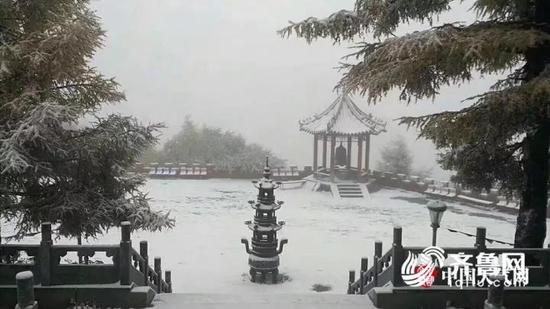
point(422, 62)
point(378, 17)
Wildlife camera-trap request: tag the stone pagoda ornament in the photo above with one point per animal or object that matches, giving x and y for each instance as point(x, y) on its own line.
point(264, 255)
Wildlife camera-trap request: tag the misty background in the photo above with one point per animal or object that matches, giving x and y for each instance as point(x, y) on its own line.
point(222, 63)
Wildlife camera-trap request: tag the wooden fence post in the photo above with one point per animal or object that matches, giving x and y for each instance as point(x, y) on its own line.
point(351, 280)
point(158, 270)
point(46, 254)
point(397, 256)
point(125, 246)
point(25, 291)
point(481, 233)
point(168, 279)
point(145, 264)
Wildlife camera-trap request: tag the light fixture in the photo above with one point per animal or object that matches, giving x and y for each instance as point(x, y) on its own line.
point(436, 209)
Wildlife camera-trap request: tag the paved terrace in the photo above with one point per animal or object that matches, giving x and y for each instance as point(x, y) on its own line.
point(267, 301)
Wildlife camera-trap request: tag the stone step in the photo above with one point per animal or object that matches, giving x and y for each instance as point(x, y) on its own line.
point(265, 300)
point(350, 190)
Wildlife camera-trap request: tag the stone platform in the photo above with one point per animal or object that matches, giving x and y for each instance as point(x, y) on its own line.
point(269, 301)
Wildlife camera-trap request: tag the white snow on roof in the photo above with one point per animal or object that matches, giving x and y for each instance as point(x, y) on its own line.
point(343, 117)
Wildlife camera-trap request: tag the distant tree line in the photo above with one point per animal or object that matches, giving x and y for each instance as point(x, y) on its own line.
point(228, 151)
point(396, 157)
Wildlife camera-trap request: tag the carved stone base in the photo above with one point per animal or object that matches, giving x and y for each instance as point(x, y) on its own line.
point(264, 276)
point(264, 269)
point(262, 263)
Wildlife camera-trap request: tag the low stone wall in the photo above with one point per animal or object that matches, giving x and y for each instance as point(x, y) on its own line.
point(445, 190)
point(206, 171)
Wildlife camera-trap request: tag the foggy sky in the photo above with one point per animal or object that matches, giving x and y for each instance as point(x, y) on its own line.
point(222, 63)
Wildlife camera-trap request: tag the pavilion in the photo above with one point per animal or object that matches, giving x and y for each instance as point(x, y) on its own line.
point(342, 123)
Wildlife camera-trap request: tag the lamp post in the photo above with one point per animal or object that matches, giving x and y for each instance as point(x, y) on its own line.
point(436, 209)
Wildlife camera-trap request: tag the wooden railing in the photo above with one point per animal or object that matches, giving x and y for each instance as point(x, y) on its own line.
point(386, 267)
point(123, 264)
point(383, 269)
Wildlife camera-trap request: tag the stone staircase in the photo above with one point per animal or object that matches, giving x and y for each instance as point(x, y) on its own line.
point(349, 190)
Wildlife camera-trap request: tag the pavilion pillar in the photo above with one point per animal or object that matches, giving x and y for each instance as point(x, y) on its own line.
point(315, 155)
point(349, 153)
point(367, 152)
point(332, 146)
point(324, 151)
point(359, 154)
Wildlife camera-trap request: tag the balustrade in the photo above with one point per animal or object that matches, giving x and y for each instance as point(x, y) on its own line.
point(386, 267)
point(126, 265)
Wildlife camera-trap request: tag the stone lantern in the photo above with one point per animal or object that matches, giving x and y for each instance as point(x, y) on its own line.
point(263, 257)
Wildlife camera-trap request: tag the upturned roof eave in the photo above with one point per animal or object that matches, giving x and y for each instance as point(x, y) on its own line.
point(330, 132)
point(330, 115)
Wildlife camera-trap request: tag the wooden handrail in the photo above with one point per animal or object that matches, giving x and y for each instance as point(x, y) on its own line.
point(386, 268)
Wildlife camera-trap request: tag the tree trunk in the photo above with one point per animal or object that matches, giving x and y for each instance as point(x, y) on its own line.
point(531, 221)
point(79, 242)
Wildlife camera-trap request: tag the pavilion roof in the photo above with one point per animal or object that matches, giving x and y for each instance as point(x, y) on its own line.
point(343, 117)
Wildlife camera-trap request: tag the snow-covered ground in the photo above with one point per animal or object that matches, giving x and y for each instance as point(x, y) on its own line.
point(327, 237)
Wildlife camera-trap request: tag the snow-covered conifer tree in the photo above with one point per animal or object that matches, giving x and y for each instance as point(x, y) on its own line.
point(502, 137)
point(59, 161)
